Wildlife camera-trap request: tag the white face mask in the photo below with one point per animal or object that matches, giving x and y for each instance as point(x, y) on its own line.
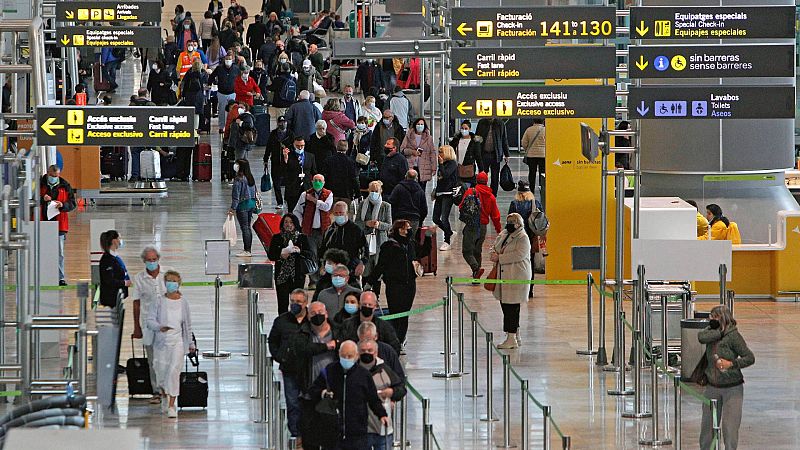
point(236, 168)
point(465, 133)
point(283, 61)
point(241, 110)
point(186, 26)
point(154, 66)
point(228, 62)
point(361, 126)
point(190, 49)
point(245, 77)
point(420, 128)
point(370, 104)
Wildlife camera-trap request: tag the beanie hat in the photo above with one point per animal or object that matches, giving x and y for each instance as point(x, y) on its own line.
point(482, 178)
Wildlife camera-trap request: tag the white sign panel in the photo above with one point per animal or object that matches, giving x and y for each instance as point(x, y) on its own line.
point(672, 259)
point(218, 259)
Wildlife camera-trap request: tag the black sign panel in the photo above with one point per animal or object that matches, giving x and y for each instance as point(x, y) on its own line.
point(105, 11)
point(537, 101)
point(712, 61)
point(712, 102)
point(712, 22)
point(534, 22)
point(136, 126)
point(98, 37)
point(526, 63)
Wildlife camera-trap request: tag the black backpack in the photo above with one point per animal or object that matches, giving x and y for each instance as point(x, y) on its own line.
point(288, 92)
point(470, 210)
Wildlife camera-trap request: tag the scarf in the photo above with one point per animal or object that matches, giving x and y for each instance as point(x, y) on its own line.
point(365, 207)
point(287, 271)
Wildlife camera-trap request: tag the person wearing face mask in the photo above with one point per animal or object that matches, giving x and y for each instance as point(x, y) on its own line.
point(113, 273)
point(391, 388)
point(725, 356)
point(354, 391)
point(111, 64)
point(468, 153)
point(368, 331)
point(225, 76)
point(395, 266)
point(193, 92)
point(171, 321)
point(55, 189)
point(186, 59)
point(387, 128)
point(227, 35)
point(279, 138)
point(287, 251)
point(259, 75)
point(246, 87)
point(300, 168)
point(243, 203)
point(511, 254)
point(371, 112)
point(349, 309)
point(342, 174)
point(237, 14)
point(350, 106)
point(186, 35)
point(420, 151)
point(346, 235)
point(176, 21)
point(474, 234)
point(279, 58)
point(330, 259)
point(338, 124)
point(446, 183)
point(385, 331)
point(314, 212)
point(334, 296)
point(295, 373)
point(243, 130)
point(302, 116)
point(307, 76)
point(360, 139)
point(393, 167)
point(374, 217)
point(206, 29)
point(148, 289)
point(159, 83)
point(321, 144)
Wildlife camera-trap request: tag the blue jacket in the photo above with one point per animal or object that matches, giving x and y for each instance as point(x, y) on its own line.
point(106, 56)
point(302, 117)
point(241, 192)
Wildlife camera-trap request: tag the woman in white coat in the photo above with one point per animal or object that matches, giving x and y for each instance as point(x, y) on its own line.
point(512, 253)
point(374, 216)
point(172, 324)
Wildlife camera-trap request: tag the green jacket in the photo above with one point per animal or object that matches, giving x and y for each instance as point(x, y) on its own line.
point(728, 345)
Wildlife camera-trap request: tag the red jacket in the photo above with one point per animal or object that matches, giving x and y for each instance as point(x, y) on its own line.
point(488, 205)
point(241, 88)
point(63, 193)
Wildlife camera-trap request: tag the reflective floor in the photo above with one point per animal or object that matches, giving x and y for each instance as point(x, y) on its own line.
point(553, 328)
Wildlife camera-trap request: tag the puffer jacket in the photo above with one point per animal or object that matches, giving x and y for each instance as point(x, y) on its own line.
point(338, 124)
point(730, 345)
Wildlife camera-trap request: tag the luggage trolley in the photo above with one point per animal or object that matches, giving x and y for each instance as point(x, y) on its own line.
point(678, 300)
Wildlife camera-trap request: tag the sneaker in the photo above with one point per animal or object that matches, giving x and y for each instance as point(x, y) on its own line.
point(244, 254)
point(172, 413)
point(444, 247)
point(62, 282)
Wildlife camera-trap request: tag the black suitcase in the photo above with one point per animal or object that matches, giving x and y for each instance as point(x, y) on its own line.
point(227, 157)
point(169, 167)
point(262, 128)
point(205, 118)
point(138, 372)
point(194, 385)
point(114, 162)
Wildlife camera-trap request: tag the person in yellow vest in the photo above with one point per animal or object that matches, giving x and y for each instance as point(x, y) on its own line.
point(721, 228)
point(186, 57)
point(702, 222)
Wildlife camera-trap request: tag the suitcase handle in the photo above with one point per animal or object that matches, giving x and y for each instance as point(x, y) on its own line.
point(133, 349)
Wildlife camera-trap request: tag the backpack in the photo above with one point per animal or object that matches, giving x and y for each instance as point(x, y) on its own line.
point(288, 92)
point(248, 136)
point(470, 210)
point(538, 223)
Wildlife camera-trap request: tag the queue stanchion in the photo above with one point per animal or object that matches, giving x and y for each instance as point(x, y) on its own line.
point(716, 424)
point(460, 297)
point(473, 317)
point(656, 441)
point(448, 325)
point(217, 353)
point(566, 443)
point(250, 331)
point(506, 402)
point(723, 280)
point(403, 423)
point(489, 379)
point(524, 411)
point(589, 326)
point(676, 383)
point(546, 428)
point(638, 351)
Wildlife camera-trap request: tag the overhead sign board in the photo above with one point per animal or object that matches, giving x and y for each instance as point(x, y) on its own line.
point(105, 11)
point(135, 126)
point(526, 63)
point(712, 22)
point(712, 102)
point(534, 22)
point(712, 61)
point(98, 37)
point(538, 101)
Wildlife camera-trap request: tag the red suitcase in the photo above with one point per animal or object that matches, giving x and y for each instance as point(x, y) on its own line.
point(266, 226)
point(427, 245)
point(100, 85)
point(201, 162)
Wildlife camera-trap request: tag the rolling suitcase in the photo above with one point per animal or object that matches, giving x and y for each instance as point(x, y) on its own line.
point(194, 385)
point(262, 129)
point(227, 158)
point(114, 162)
point(266, 226)
point(100, 85)
point(201, 162)
point(169, 166)
point(138, 372)
point(427, 245)
point(205, 118)
point(149, 165)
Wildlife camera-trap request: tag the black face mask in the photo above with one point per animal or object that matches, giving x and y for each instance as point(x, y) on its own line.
point(366, 358)
point(510, 227)
point(317, 320)
point(366, 311)
point(713, 324)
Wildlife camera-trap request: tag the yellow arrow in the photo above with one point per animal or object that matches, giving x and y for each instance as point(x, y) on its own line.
point(641, 63)
point(48, 126)
point(463, 28)
point(464, 70)
point(69, 14)
point(642, 29)
point(463, 108)
point(65, 40)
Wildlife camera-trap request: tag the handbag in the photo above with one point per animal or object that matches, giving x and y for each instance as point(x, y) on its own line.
point(699, 372)
point(258, 204)
point(362, 159)
point(492, 276)
point(319, 91)
point(323, 418)
point(466, 170)
point(372, 244)
point(309, 265)
point(266, 182)
point(229, 230)
point(507, 178)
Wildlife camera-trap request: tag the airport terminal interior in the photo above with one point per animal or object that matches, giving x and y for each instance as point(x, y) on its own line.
point(611, 115)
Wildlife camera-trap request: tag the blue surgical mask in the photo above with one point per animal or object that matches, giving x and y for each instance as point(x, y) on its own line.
point(346, 363)
point(465, 133)
point(375, 197)
point(52, 180)
point(340, 220)
point(350, 308)
point(151, 265)
point(338, 281)
point(299, 151)
point(328, 268)
point(172, 286)
point(295, 308)
point(420, 128)
point(387, 122)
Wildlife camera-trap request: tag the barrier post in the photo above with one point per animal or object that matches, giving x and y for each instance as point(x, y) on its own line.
point(473, 317)
point(546, 429)
point(250, 330)
point(716, 424)
point(638, 352)
point(723, 280)
point(524, 420)
point(506, 402)
point(403, 423)
point(275, 404)
point(655, 441)
point(426, 424)
point(258, 370)
point(566, 443)
point(730, 300)
point(589, 329)
point(83, 337)
point(460, 297)
point(267, 384)
point(676, 383)
point(489, 380)
point(448, 325)
point(217, 353)
point(618, 362)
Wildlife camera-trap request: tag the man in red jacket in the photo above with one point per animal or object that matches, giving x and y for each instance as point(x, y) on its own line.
point(475, 234)
point(58, 191)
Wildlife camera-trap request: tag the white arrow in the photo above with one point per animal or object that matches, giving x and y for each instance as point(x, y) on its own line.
point(557, 163)
point(796, 230)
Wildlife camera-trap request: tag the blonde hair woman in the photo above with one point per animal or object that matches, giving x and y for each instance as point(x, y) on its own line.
point(446, 183)
point(371, 112)
point(374, 216)
point(511, 253)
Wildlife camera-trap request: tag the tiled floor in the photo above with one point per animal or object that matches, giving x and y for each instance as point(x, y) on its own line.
point(553, 327)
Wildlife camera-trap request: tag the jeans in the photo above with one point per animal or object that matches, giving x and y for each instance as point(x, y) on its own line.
point(492, 165)
point(136, 153)
point(222, 102)
point(110, 72)
point(441, 215)
point(291, 390)
point(244, 216)
point(472, 246)
point(729, 406)
point(378, 441)
point(62, 238)
point(510, 317)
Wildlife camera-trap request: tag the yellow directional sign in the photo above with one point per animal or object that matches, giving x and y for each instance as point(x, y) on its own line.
point(463, 69)
point(463, 108)
point(48, 126)
point(533, 22)
point(108, 10)
point(463, 28)
point(641, 29)
point(69, 15)
point(65, 40)
point(642, 63)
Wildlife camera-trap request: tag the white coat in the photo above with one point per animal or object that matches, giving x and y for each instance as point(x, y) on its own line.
point(514, 264)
